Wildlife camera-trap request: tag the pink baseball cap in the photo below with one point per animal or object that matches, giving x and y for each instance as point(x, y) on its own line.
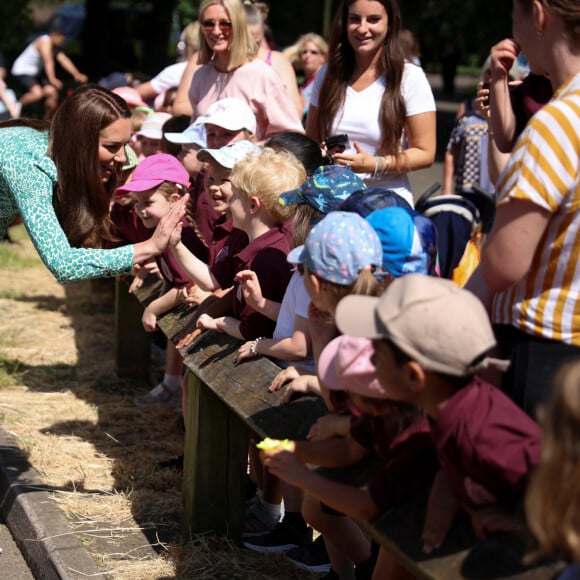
point(153, 171)
point(345, 365)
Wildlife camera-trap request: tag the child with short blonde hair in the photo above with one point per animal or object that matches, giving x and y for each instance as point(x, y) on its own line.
point(257, 182)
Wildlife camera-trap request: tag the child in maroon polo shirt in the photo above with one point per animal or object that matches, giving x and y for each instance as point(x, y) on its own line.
point(257, 182)
point(431, 338)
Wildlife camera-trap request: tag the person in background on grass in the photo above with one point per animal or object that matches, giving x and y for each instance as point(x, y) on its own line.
point(553, 496)
point(368, 92)
point(9, 106)
point(170, 77)
point(159, 182)
point(397, 433)
point(431, 342)
point(35, 70)
point(230, 68)
point(60, 177)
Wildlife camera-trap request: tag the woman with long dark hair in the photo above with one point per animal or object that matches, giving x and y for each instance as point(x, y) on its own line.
point(369, 92)
point(60, 177)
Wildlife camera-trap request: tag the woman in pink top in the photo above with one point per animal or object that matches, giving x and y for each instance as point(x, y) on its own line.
point(230, 69)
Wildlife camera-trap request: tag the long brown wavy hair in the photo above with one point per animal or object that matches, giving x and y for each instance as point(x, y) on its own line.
point(341, 61)
point(81, 200)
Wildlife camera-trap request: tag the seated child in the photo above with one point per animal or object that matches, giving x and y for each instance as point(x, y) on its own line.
point(397, 433)
point(431, 339)
point(158, 182)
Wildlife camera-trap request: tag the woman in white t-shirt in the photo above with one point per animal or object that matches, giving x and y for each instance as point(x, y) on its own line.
point(384, 104)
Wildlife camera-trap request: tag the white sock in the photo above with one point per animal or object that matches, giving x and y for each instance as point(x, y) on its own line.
point(272, 509)
point(172, 382)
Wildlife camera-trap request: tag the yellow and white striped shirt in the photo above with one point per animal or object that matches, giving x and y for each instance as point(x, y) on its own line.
point(544, 168)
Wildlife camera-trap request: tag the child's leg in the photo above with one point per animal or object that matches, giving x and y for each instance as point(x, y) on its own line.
point(345, 542)
point(388, 567)
point(173, 367)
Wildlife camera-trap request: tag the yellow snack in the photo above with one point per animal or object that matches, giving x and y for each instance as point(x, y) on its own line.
point(268, 444)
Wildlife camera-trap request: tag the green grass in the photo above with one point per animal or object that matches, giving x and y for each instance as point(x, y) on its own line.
point(10, 260)
point(9, 372)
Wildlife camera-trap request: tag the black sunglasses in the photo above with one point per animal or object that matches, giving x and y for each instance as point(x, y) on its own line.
point(224, 25)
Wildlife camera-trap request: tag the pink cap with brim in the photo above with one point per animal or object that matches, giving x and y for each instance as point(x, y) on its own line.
point(345, 365)
point(153, 171)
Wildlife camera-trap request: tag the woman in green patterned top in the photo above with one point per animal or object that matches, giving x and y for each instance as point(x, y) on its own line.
point(60, 178)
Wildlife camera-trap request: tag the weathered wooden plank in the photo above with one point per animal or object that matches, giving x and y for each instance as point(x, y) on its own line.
point(132, 343)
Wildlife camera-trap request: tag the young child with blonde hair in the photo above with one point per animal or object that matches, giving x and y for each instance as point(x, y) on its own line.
point(553, 496)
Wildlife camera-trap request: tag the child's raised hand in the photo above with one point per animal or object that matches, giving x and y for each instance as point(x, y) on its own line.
point(168, 223)
point(175, 237)
point(251, 288)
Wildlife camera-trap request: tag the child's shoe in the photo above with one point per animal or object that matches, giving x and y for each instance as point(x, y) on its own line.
point(160, 395)
point(283, 537)
point(312, 557)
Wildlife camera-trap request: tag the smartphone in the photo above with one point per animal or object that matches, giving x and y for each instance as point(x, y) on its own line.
point(337, 142)
point(485, 102)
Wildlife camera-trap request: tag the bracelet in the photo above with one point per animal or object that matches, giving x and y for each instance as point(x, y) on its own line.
point(382, 165)
point(254, 346)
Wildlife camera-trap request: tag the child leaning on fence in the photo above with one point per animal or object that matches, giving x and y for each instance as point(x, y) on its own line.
point(431, 340)
point(157, 183)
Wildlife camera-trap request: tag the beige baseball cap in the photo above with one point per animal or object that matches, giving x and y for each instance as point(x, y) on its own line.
point(435, 322)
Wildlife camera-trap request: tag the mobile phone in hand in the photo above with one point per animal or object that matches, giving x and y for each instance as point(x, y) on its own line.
point(337, 143)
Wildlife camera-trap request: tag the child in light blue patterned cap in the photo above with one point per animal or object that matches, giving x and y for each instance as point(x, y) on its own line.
point(339, 256)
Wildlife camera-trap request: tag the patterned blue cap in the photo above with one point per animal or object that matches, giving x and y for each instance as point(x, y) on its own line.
point(325, 189)
point(408, 238)
point(338, 247)
point(366, 201)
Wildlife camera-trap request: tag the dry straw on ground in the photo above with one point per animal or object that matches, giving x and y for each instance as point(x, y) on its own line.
point(92, 447)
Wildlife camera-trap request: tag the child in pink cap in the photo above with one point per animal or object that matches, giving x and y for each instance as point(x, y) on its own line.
point(157, 183)
point(397, 434)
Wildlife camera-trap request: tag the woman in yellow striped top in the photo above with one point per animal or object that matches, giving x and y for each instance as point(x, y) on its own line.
point(531, 258)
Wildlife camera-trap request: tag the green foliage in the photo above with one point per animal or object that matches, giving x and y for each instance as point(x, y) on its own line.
point(187, 11)
point(16, 26)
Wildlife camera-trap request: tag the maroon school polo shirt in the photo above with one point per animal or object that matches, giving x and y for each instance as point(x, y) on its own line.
point(482, 434)
point(226, 243)
point(266, 255)
point(409, 458)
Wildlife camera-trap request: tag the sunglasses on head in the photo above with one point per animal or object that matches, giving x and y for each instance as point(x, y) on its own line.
point(224, 25)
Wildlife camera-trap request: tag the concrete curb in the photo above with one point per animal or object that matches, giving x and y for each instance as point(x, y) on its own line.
point(40, 529)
